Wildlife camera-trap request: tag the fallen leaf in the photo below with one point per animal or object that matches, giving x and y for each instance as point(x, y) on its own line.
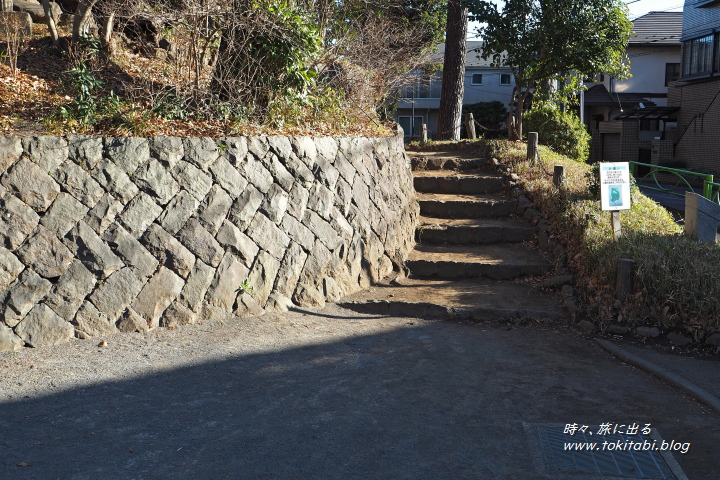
point(24, 464)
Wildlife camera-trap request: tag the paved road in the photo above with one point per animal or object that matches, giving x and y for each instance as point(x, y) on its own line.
point(674, 203)
point(329, 395)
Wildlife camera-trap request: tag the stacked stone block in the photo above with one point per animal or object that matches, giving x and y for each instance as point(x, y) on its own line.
point(99, 235)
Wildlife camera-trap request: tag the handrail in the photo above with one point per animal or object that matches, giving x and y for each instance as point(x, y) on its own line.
point(655, 169)
point(714, 196)
point(694, 119)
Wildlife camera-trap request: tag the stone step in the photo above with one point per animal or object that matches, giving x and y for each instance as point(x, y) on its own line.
point(500, 262)
point(476, 299)
point(472, 231)
point(447, 181)
point(445, 161)
point(443, 205)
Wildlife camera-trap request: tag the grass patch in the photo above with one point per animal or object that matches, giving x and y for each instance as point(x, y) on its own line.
point(677, 280)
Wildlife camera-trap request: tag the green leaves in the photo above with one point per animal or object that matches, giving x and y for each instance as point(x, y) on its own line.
point(286, 48)
point(547, 40)
point(86, 108)
point(273, 58)
point(543, 39)
point(561, 131)
point(85, 84)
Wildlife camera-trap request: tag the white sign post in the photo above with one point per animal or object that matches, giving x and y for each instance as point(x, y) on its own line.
point(615, 191)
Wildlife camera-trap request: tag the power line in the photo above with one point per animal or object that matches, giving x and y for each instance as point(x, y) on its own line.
point(645, 54)
point(664, 10)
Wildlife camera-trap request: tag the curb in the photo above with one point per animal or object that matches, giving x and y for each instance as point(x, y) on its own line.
point(677, 381)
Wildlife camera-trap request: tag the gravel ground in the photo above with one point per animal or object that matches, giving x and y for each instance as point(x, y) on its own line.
point(325, 395)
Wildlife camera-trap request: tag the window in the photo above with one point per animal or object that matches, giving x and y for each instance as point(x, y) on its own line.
point(418, 89)
point(672, 72)
point(477, 79)
point(698, 56)
point(652, 124)
point(504, 79)
point(418, 86)
point(407, 127)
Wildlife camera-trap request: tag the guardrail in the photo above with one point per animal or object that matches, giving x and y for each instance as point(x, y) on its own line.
point(714, 194)
point(681, 182)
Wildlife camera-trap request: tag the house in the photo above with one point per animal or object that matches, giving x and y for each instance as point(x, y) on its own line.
point(697, 93)
point(625, 116)
point(420, 101)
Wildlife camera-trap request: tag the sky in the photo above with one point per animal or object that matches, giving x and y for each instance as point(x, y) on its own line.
point(637, 9)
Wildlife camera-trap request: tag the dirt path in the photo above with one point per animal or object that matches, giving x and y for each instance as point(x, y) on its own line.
point(326, 395)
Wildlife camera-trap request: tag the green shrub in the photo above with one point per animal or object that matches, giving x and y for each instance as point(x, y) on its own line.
point(491, 115)
point(87, 108)
point(561, 131)
point(274, 58)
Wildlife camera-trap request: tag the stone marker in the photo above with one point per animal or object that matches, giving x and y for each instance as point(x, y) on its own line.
point(702, 218)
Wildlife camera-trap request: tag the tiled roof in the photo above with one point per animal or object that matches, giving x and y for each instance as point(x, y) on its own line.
point(657, 28)
point(598, 95)
point(472, 59)
point(649, 112)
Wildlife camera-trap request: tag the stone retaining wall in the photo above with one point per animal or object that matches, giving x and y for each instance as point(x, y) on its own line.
point(99, 235)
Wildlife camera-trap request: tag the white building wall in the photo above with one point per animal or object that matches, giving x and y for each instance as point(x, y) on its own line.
point(647, 67)
point(491, 89)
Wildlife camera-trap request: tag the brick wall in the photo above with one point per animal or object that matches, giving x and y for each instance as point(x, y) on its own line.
point(693, 98)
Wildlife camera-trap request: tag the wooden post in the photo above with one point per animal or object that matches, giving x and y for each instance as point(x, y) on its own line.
point(470, 126)
point(559, 176)
point(532, 146)
point(625, 278)
point(616, 225)
point(423, 134)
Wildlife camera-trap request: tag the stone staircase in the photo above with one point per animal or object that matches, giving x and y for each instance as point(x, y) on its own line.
point(470, 257)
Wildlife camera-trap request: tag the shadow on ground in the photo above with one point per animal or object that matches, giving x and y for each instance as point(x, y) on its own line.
point(425, 400)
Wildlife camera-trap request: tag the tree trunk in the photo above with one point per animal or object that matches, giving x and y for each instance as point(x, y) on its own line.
point(50, 22)
point(519, 119)
point(512, 114)
point(517, 112)
point(83, 19)
point(523, 96)
point(106, 33)
point(6, 5)
point(453, 83)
